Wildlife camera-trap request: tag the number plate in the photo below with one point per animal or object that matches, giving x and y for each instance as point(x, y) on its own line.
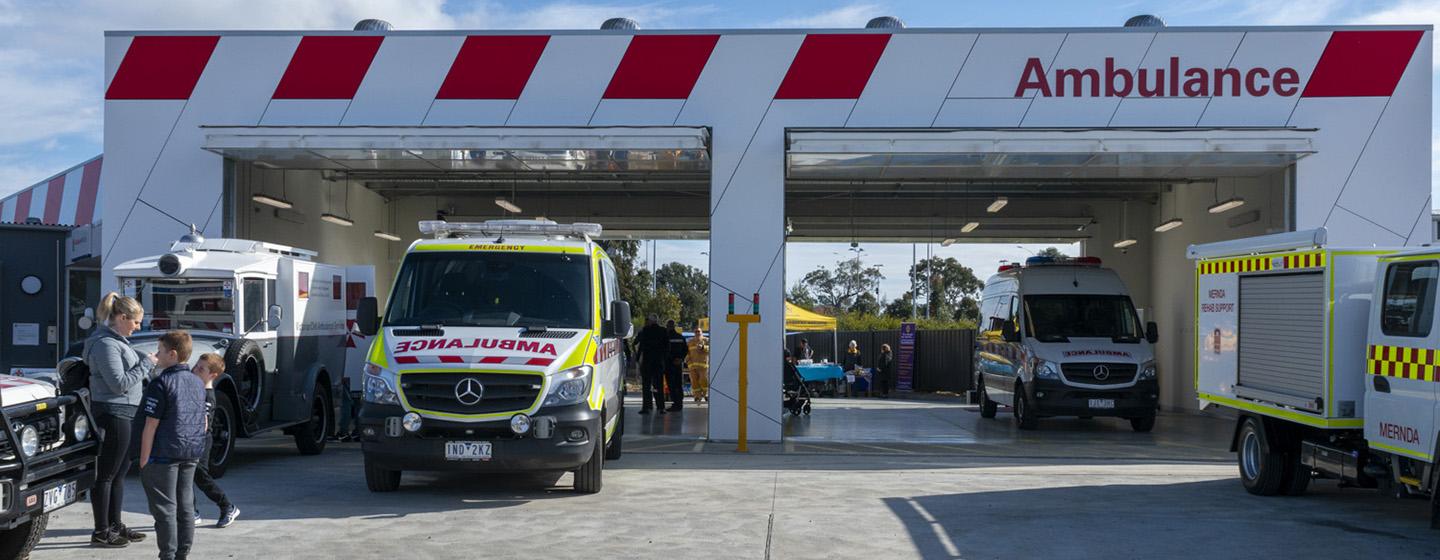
point(59, 496)
point(467, 451)
point(1102, 403)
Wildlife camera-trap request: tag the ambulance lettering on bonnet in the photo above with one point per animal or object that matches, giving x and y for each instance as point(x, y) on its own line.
point(486, 343)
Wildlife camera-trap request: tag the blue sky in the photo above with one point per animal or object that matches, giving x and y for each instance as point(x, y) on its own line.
point(51, 58)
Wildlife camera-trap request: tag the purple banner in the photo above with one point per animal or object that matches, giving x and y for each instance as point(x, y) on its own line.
point(905, 360)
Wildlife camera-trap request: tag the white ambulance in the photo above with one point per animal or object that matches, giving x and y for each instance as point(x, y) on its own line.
point(501, 350)
point(1060, 337)
point(279, 320)
point(1329, 354)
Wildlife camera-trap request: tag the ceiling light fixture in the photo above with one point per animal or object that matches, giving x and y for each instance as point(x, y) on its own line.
point(272, 201)
point(1123, 243)
point(947, 242)
point(1169, 225)
point(1228, 204)
point(1124, 231)
point(999, 203)
point(337, 219)
point(507, 205)
point(386, 236)
point(969, 227)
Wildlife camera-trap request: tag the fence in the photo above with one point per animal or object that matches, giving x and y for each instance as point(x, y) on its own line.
point(944, 359)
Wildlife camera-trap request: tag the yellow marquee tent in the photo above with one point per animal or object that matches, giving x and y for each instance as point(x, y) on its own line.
point(799, 319)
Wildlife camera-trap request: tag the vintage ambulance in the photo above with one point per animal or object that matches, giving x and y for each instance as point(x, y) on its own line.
point(1328, 354)
point(278, 318)
point(500, 350)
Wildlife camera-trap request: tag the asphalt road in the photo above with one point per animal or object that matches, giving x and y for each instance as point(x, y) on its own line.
point(1012, 498)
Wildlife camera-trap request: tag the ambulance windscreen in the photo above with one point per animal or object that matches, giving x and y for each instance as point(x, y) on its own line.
point(204, 305)
point(1061, 317)
point(492, 289)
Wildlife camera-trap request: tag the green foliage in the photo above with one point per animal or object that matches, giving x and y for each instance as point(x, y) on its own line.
point(870, 322)
point(845, 286)
point(664, 304)
point(1051, 252)
point(690, 286)
point(950, 289)
point(800, 296)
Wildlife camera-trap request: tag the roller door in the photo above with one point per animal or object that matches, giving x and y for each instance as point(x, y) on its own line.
point(1282, 334)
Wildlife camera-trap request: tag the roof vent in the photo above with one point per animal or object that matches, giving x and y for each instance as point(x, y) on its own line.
point(1145, 20)
point(885, 22)
point(620, 24)
point(373, 25)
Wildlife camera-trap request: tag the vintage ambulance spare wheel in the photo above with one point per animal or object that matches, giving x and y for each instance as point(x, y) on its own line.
point(246, 366)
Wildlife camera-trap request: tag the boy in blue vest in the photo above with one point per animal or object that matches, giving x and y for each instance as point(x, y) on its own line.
point(171, 444)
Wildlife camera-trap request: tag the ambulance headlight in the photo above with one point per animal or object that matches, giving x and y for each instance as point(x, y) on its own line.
point(1147, 371)
point(380, 385)
point(569, 386)
point(1047, 369)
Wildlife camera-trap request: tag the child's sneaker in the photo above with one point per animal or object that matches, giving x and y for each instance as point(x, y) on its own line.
point(227, 517)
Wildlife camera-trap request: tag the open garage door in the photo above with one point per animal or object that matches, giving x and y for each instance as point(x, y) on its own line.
point(355, 194)
point(1133, 197)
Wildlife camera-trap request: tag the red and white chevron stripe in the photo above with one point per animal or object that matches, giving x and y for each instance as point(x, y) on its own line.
point(69, 198)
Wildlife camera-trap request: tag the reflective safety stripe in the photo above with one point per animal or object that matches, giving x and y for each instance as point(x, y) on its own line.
point(377, 352)
point(1283, 261)
point(1401, 451)
point(1306, 419)
point(499, 248)
point(1402, 362)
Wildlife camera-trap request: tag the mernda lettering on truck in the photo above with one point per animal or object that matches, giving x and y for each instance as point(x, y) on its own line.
point(1328, 354)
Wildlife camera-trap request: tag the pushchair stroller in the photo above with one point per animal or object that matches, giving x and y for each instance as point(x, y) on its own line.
point(794, 391)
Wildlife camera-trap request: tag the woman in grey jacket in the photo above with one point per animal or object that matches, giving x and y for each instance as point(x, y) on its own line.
point(116, 373)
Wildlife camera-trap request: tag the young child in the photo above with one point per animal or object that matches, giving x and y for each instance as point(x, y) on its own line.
point(208, 368)
point(171, 444)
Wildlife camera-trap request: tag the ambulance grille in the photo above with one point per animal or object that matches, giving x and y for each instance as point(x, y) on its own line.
point(503, 392)
point(557, 335)
point(1115, 374)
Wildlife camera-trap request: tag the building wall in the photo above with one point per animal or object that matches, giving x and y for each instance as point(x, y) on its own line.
point(1367, 181)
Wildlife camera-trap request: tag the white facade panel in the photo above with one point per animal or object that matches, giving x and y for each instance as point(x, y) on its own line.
point(1194, 50)
point(469, 112)
point(1086, 51)
point(1299, 50)
point(403, 80)
point(637, 112)
point(995, 63)
point(115, 49)
point(71, 199)
point(911, 80)
point(1343, 125)
point(982, 112)
point(569, 79)
point(305, 112)
point(37, 201)
point(1158, 112)
point(135, 134)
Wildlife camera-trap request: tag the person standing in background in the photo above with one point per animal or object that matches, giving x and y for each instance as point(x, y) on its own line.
point(653, 345)
point(885, 371)
point(675, 366)
point(698, 363)
point(171, 443)
point(208, 368)
point(116, 373)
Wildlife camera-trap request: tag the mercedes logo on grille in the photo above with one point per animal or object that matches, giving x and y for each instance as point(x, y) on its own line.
point(1101, 373)
point(469, 391)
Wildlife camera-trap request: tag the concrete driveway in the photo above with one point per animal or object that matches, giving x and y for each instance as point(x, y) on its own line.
point(1080, 489)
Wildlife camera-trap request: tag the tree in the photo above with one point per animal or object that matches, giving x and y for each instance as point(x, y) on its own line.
point(900, 307)
point(866, 304)
point(629, 271)
point(663, 304)
point(839, 289)
point(946, 284)
point(690, 285)
point(800, 296)
point(1052, 253)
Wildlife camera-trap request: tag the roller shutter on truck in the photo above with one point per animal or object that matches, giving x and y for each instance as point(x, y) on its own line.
point(1282, 336)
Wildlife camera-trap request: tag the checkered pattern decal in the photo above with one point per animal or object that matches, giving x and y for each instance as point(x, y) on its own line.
point(1402, 362)
point(1313, 259)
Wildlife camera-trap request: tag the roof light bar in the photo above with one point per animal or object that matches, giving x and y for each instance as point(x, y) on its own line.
point(999, 203)
point(507, 205)
point(441, 228)
point(972, 226)
point(1169, 225)
point(337, 219)
point(272, 201)
point(1226, 205)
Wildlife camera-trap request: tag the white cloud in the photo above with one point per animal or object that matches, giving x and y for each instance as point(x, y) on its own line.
point(1289, 12)
point(853, 15)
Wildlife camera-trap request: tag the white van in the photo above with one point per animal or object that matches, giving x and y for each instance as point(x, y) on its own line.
point(1060, 337)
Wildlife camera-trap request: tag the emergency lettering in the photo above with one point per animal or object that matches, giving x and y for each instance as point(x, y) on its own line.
point(1169, 81)
point(489, 343)
point(1399, 433)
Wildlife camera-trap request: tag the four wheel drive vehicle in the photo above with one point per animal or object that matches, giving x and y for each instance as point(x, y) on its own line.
point(47, 458)
point(278, 318)
point(1060, 337)
point(1329, 354)
point(500, 351)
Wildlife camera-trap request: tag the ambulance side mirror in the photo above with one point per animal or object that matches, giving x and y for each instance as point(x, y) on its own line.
point(1152, 333)
point(1009, 331)
point(620, 324)
point(367, 316)
point(272, 319)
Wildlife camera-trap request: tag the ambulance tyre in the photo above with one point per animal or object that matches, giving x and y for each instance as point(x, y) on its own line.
point(1143, 424)
point(587, 477)
point(1296, 478)
point(1024, 417)
point(987, 406)
point(18, 542)
point(310, 437)
point(616, 447)
point(1261, 468)
point(380, 480)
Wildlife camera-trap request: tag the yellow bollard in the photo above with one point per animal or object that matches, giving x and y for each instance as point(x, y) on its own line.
point(743, 321)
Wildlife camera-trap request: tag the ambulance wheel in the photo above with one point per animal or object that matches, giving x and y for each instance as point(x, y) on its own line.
point(380, 480)
point(987, 406)
point(1142, 424)
point(1296, 478)
point(310, 437)
point(1024, 417)
point(222, 434)
point(617, 440)
point(1261, 468)
point(18, 542)
point(246, 365)
point(587, 477)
